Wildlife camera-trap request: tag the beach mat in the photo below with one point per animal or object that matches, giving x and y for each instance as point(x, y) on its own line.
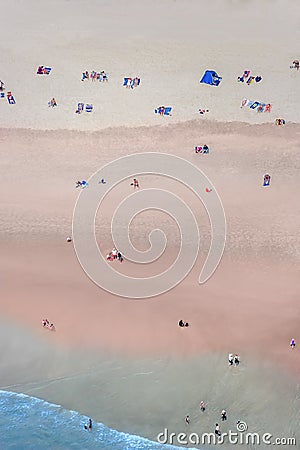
point(167, 110)
point(10, 98)
point(42, 70)
point(127, 81)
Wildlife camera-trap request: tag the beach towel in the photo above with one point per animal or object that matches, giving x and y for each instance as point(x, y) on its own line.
point(89, 108)
point(211, 77)
point(261, 107)
point(250, 103)
point(268, 108)
point(10, 98)
point(244, 76)
point(200, 149)
point(43, 70)
point(167, 110)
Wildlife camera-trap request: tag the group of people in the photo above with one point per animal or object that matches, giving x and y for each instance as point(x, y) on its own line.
point(295, 64)
point(131, 82)
point(233, 359)
point(182, 323)
point(95, 76)
point(47, 324)
point(83, 184)
point(280, 122)
point(217, 426)
point(250, 79)
point(52, 103)
point(114, 254)
point(202, 149)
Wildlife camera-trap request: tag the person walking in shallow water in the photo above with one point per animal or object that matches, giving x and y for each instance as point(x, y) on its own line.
point(89, 426)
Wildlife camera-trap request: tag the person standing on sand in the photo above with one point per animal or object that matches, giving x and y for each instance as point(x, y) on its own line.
point(223, 415)
point(293, 343)
point(217, 430)
point(135, 183)
point(236, 360)
point(187, 420)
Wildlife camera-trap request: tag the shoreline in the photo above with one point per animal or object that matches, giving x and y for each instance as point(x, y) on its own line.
point(157, 393)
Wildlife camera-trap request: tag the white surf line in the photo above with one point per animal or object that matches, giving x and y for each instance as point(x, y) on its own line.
point(142, 373)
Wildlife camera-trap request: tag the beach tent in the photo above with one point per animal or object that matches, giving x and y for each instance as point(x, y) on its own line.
point(211, 77)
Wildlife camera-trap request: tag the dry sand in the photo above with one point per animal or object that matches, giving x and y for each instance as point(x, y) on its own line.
point(167, 44)
point(127, 363)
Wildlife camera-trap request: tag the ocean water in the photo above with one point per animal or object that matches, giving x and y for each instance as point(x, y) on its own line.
point(28, 423)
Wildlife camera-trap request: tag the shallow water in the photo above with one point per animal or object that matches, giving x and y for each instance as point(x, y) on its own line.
point(30, 423)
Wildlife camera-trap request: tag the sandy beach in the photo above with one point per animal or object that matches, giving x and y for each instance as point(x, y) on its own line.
point(125, 362)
